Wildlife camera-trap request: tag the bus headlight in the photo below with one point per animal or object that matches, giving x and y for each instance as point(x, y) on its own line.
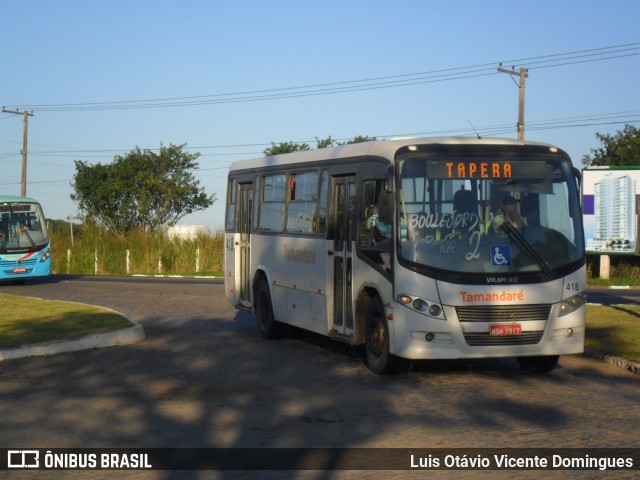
point(421, 306)
point(573, 303)
point(45, 256)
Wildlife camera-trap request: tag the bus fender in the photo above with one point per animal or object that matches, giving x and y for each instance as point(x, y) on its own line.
point(363, 301)
point(262, 272)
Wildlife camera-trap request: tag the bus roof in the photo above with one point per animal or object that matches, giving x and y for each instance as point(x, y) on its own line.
point(381, 148)
point(16, 198)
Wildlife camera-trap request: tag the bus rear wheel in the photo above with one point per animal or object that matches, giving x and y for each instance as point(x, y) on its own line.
point(377, 355)
point(541, 364)
point(269, 327)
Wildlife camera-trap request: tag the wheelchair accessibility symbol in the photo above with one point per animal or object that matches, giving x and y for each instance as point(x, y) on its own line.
point(500, 256)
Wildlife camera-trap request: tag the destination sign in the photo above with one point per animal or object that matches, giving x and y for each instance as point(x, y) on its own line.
point(469, 170)
point(523, 169)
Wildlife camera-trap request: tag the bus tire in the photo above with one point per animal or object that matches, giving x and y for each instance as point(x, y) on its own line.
point(377, 356)
point(267, 324)
point(540, 364)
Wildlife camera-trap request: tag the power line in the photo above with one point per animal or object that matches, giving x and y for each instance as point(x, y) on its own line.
point(611, 118)
point(487, 130)
point(391, 81)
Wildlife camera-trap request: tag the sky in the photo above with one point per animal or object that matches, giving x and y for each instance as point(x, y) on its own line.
point(228, 77)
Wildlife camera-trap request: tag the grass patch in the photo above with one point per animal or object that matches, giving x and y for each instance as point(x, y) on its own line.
point(619, 282)
point(27, 321)
point(614, 330)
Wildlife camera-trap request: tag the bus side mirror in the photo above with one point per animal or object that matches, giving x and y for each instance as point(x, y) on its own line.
point(578, 175)
point(389, 182)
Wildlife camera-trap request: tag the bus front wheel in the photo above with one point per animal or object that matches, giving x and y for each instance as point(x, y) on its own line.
point(377, 355)
point(541, 364)
point(269, 327)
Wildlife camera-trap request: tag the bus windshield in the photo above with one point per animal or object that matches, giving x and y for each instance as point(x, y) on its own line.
point(22, 227)
point(489, 216)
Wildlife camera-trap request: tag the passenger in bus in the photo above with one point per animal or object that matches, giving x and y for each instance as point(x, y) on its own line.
point(380, 227)
point(508, 212)
point(379, 230)
point(464, 201)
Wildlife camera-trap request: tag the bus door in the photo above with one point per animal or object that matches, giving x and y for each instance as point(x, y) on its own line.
point(340, 257)
point(243, 251)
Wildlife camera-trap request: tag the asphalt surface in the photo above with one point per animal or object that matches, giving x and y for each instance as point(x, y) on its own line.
point(204, 377)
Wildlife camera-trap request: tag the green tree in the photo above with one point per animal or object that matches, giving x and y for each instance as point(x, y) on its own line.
point(141, 191)
point(325, 142)
point(358, 139)
point(621, 149)
point(289, 147)
point(286, 147)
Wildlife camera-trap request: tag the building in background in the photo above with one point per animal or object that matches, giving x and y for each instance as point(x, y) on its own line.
point(185, 232)
point(610, 203)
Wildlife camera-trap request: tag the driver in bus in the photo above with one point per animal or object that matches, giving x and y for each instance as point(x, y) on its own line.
point(380, 229)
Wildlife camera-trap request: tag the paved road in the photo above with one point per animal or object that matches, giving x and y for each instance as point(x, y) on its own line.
point(205, 378)
point(614, 296)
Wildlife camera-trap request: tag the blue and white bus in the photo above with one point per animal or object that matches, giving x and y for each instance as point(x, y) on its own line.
point(25, 251)
point(423, 248)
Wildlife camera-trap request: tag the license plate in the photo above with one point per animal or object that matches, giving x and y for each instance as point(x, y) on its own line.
point(502, 329)
point(20, 270)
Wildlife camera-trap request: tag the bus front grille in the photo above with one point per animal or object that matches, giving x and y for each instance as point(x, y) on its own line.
point(503, 313)
point(15, 263)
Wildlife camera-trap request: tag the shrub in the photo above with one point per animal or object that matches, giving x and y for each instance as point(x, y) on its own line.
point(148, 253)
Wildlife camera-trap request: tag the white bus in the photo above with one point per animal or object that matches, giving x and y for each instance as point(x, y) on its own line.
point(422, 248)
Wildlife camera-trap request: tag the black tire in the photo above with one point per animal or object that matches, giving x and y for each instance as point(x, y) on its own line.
point(541, 364)
point(377, 356)
point(267, 324)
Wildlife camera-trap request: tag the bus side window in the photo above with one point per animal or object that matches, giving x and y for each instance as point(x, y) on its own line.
point(368, 206)
point(302, 211)
point(272, 207)
point(377, 215)
point(376, 222)
point(231, 205)
point(322, 209)
point(383, 227)
point(256, 204)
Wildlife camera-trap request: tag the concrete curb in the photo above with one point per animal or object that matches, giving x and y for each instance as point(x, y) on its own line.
point(125, 336)
point(633, 367)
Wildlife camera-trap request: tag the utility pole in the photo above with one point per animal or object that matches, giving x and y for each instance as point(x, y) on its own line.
point(523, 73)
point(25, 128)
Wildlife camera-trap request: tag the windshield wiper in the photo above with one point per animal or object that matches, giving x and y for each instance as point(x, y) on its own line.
point(514, 234)
point(24, 229)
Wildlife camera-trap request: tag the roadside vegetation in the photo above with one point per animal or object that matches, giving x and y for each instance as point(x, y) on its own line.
point(94, 250)
point(624, 270)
